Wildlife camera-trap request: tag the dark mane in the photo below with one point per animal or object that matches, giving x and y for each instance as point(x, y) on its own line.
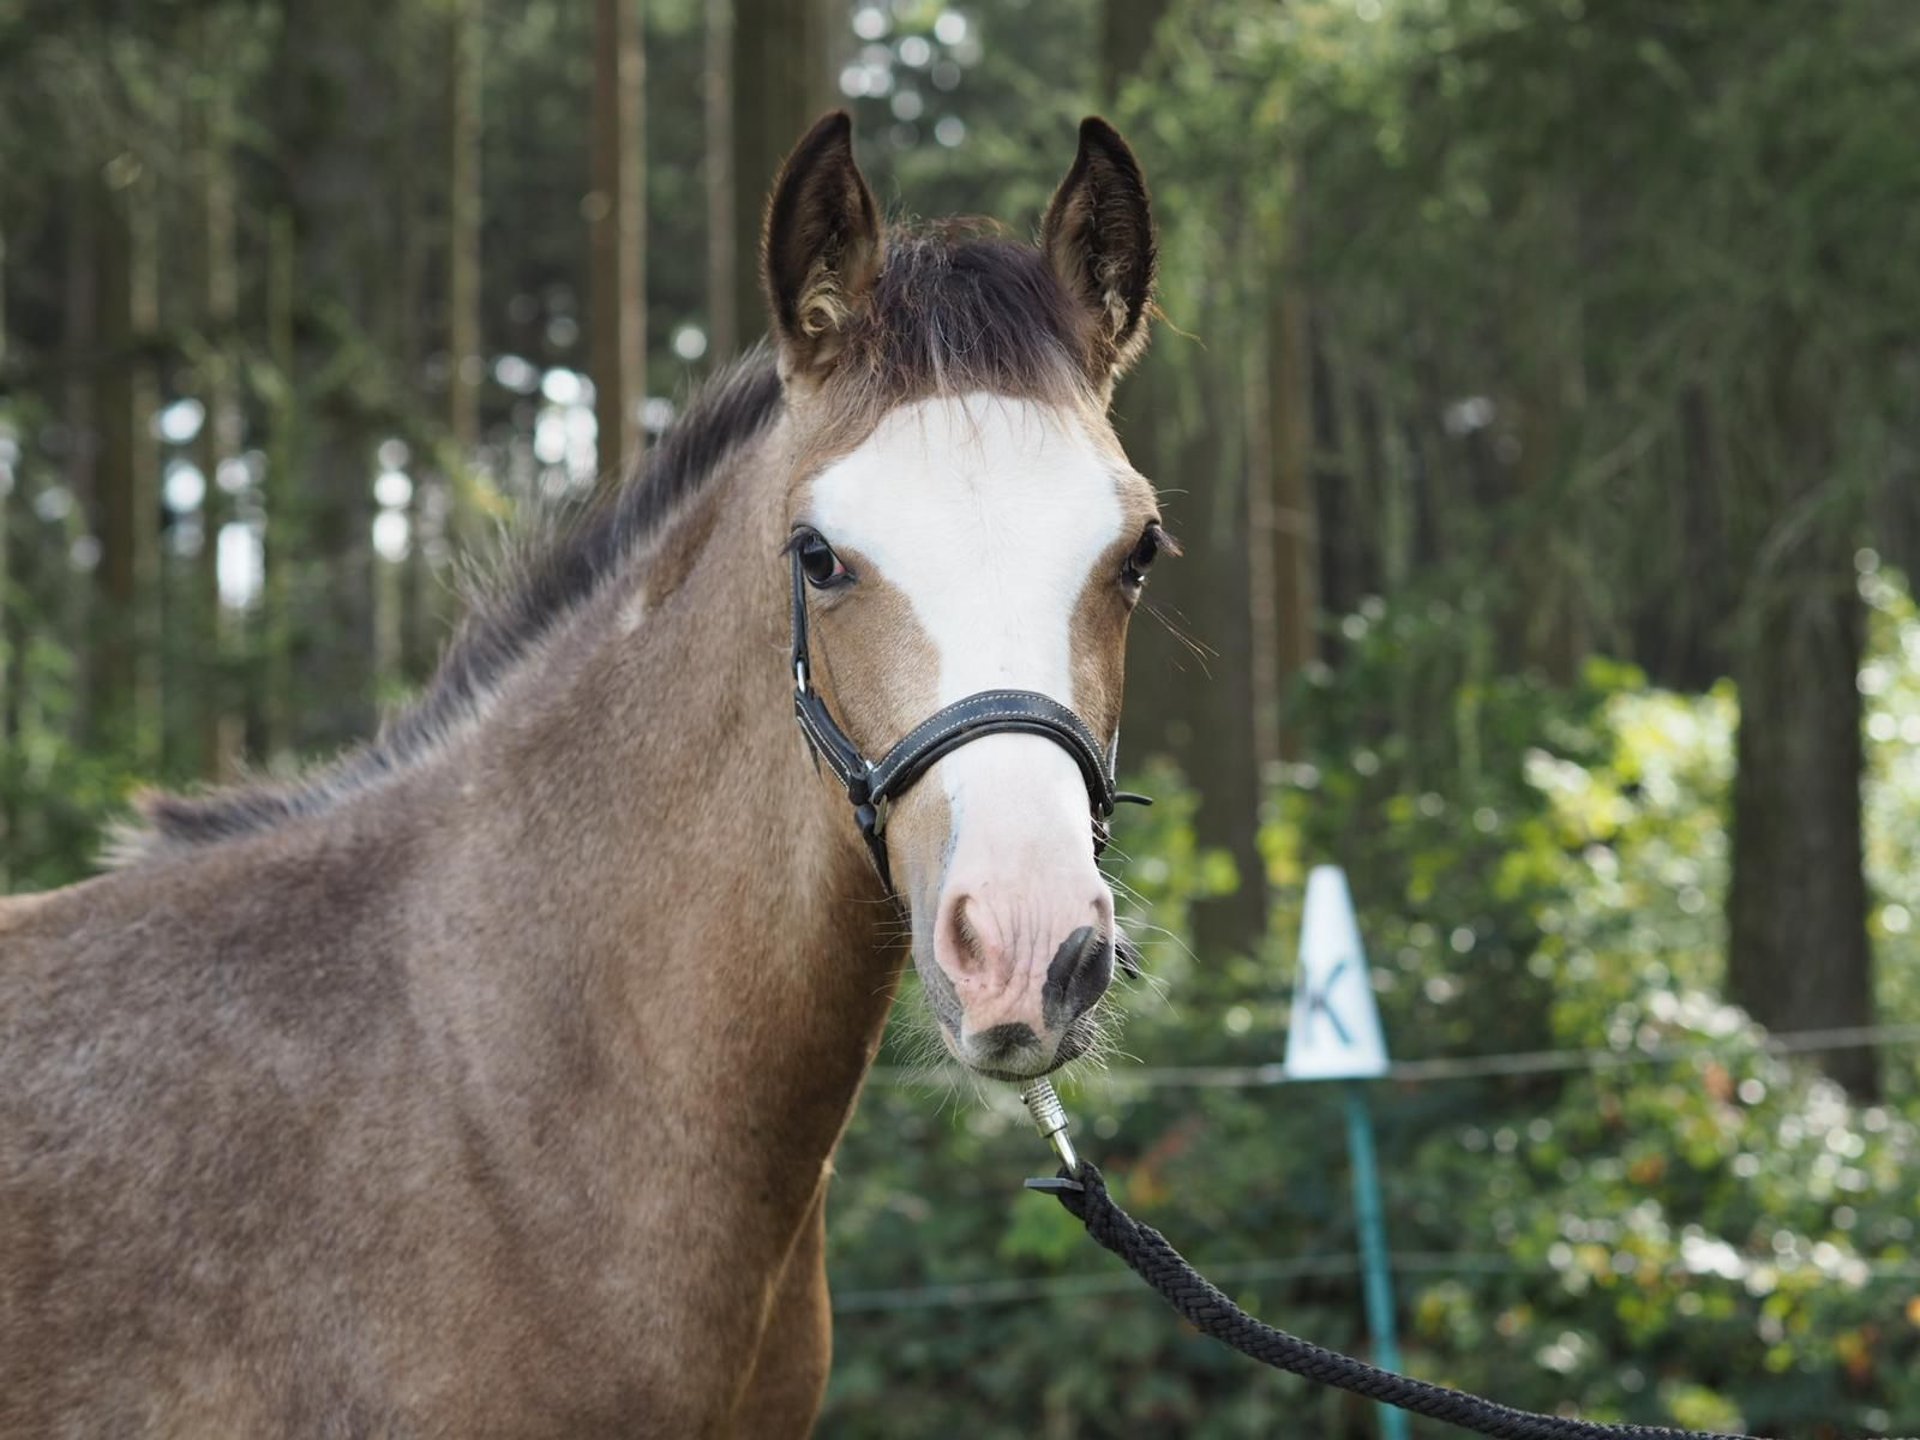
point(956, 308)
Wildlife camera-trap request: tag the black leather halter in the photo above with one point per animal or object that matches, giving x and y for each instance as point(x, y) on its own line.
point(873, 786)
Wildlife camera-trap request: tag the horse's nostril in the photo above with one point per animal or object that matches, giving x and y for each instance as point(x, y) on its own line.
point(965, 932)
point(965, 944)
point(1081, 970)
point(997, 1042)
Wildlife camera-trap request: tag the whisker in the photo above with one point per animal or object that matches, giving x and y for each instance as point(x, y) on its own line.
point(1201, 652)
point(1161, 933)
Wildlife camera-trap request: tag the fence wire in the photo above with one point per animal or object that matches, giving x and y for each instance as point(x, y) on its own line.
point(1463, 1067)
point(961, 1295)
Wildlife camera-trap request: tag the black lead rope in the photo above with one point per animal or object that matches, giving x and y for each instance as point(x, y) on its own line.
point(1149, 1256)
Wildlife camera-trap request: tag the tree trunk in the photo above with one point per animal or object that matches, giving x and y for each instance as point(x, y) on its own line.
point(80, 405)
point(1189, 694)
point(1798, 957)
point(1220, 759)
point(1677, 628)
point(1182, 414)
point(1262, 540)
point(1295, 537)
point(126, 680)
point(616, 213)
point(1126, 37)
point(723, 317)
point(338, 87)
point(285, 447)
point(9, 638)
point(1162, 667)
point(421, 251)
point(467, 362)
point(781, 85)
point(1165, 669)
point(219, 738)
point(1550, 631)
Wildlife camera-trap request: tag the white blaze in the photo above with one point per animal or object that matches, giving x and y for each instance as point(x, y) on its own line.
point(989, 515)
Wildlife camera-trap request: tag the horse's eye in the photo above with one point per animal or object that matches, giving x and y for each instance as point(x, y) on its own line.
point(1133, 572)
point(821, 566)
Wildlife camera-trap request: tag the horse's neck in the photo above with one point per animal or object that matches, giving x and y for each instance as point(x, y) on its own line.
point(674, 948)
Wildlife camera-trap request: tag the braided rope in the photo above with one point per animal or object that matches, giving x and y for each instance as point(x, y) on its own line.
point(1148, 1254)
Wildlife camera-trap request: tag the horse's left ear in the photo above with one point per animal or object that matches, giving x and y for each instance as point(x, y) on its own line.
point(821, 249)
point(1098, 235)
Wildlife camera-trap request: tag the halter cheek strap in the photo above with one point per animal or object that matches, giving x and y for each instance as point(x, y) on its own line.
point(873, 786)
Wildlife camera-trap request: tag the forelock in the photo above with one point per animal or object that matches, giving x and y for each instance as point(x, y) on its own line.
point(958, 309)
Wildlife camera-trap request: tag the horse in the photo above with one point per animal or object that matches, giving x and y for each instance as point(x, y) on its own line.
point(486, 1081)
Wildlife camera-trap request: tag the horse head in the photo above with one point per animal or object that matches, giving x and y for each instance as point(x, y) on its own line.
point(968, 539)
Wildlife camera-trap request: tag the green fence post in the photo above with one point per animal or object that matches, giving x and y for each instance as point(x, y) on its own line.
point(1373, 1248)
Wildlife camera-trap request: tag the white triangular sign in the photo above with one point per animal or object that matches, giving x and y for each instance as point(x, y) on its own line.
point(1335, 1031)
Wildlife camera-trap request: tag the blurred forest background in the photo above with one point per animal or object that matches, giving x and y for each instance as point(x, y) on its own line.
point(1536, 403)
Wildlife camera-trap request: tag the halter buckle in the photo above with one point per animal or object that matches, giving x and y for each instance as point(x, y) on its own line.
point(871, 813)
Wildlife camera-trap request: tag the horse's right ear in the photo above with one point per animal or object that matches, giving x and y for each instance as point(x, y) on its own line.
point(821, 249)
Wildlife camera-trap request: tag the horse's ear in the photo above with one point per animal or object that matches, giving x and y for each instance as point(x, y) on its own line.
point(1098, 235)
point(821, 249)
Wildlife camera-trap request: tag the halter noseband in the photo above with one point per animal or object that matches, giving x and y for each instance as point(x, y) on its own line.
point(872, 787)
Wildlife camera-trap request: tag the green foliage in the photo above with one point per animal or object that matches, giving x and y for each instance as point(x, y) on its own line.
point(56, 795)
point(1442, 821)
point(1891, 682)
point(1729, 1241)
point(57, 792)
